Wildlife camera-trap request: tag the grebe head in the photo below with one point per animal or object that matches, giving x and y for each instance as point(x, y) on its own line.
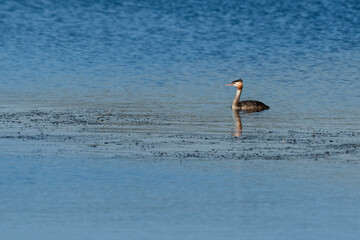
point(237, 83)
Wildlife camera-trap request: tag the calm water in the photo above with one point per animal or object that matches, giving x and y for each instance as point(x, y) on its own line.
point(174, 58)
point(144, 199)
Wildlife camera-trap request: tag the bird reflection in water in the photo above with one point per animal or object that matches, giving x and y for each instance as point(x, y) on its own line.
point(238, 124)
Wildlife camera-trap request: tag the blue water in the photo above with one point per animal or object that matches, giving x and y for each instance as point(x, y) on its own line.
point(299, 58)
point(174, 58)
point(144, 199)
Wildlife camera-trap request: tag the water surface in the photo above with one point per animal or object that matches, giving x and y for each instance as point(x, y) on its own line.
point(116, 123)
point(299, 58)
point(146, 199)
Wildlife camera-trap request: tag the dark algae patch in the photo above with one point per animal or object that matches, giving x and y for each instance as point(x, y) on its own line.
point(114, 134)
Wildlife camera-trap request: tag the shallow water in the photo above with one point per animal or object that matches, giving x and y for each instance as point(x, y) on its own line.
point(116, 123)
point(147, 199)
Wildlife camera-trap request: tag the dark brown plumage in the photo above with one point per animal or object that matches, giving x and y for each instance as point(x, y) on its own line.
point(252, 106)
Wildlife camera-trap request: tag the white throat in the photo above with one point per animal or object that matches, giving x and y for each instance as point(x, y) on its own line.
point(237, 98)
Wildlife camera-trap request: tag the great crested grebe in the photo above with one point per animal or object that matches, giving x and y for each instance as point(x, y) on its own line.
point(248, 105)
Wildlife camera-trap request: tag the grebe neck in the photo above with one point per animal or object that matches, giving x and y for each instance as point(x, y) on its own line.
point(237, 97)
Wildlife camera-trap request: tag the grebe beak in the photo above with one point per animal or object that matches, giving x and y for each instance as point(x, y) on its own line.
point(227, 85)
